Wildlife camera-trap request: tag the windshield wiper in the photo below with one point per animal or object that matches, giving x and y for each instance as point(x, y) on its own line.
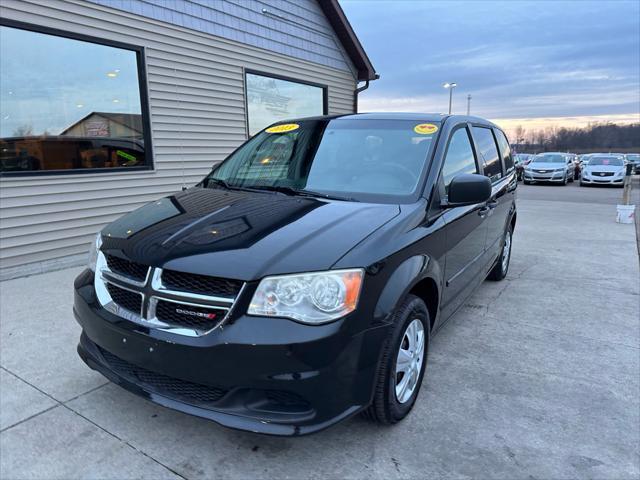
point(303, 193)
point(224, 184)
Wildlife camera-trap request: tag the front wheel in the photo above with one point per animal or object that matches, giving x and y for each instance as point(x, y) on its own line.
point(501, 268)
point(403, 363)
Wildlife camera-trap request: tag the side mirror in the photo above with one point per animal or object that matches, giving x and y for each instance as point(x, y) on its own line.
point(468, 189)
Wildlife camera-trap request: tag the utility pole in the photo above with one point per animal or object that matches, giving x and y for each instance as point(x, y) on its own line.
point(469, 104)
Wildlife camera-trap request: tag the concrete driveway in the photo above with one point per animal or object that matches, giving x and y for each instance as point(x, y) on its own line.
point(536, 377)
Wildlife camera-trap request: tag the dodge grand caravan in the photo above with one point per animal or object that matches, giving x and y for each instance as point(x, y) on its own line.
point(301, 281)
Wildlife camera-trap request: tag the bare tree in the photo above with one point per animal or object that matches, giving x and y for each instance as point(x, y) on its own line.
point(23, 131)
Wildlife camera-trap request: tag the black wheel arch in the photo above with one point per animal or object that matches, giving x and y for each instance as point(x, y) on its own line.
point(420, 275)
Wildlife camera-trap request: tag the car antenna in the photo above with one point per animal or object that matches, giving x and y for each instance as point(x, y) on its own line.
point(180, 152)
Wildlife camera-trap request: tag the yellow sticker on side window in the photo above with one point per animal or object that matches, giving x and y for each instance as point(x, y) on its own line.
point(425, 128)
point(285, 127)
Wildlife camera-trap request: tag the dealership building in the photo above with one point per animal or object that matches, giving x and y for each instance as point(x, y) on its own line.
point(106, 105)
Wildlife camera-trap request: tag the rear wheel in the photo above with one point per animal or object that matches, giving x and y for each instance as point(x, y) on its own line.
point(403, 363)
point(499, 271)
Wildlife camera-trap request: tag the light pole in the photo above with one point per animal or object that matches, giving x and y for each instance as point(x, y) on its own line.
point(450, 86)
point(468, 104)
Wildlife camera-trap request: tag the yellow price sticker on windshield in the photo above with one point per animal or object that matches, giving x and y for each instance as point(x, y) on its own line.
point(285, 127)
point(425, 128)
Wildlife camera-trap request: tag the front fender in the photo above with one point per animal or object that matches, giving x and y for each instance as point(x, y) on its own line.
point(406, 276)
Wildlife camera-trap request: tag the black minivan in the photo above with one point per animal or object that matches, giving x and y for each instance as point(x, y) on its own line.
point(301, 281)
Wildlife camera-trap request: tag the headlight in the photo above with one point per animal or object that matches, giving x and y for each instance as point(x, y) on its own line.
point(312, 298)
point(563, 169)
point(620, 173)
point(93, 252)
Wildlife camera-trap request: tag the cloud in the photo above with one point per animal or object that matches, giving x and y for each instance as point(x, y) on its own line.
point(517, 59)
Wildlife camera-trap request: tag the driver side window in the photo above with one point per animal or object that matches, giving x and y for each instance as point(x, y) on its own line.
point(459, 157)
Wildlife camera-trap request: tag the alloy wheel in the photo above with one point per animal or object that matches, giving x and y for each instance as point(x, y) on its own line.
point(409, 360)
point(506, 252)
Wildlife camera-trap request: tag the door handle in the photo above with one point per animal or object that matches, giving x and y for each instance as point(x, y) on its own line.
point(491, 204)
point(484, 211)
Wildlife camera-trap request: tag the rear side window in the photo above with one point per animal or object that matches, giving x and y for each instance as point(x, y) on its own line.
point(505, 151)
point(488, 152)
point(459, 158)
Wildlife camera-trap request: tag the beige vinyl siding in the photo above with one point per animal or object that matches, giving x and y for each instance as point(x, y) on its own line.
point(196, 95)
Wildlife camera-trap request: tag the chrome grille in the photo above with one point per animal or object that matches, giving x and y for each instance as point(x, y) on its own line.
point(126, 299)
point(201, 284)
point(184, 315)
point(126, 268)
point(153, 304)
point(602, 174)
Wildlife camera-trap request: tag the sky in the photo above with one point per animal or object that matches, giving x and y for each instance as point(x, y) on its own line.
point(535, 64)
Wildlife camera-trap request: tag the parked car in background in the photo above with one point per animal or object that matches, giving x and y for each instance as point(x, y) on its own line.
point(554, 167)
point(520, 160)
point(634, 159)
point(300, 282)
point(603, 169)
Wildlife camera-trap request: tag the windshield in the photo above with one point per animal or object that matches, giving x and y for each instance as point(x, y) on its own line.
point(363, 159)
point(613, 161)
point(549, 159)
point(633, 158)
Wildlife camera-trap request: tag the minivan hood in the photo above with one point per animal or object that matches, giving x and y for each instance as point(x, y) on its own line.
point(243, 234)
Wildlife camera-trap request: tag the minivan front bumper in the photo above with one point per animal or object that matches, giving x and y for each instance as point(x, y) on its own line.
point(265, 375)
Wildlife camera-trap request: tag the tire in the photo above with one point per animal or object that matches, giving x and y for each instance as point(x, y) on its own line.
point(526, 182)
point(501, 268)
point(582, 184)
point(386, 408)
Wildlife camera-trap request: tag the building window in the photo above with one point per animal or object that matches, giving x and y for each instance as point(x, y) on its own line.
point(270, 99)
point(69, 105)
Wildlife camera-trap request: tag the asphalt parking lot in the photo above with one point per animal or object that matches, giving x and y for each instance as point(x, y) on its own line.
point(536, 377)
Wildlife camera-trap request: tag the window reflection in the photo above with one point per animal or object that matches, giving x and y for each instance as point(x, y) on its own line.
point(270, 100)
point(67, 104)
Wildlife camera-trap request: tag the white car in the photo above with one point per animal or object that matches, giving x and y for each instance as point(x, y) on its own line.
point(554, 167)
point(603, 170)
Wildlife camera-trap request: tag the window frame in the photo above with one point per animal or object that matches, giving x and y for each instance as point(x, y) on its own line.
point(142, 87)
point(505, 171)
point(275, 76)
point(479, 154)
point(465, 126)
